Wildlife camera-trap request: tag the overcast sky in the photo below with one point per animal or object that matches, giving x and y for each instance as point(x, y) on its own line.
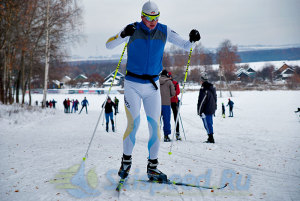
point(243, 22)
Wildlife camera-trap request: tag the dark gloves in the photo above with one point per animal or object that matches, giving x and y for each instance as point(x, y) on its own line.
point(128, 31)
point(194, 36)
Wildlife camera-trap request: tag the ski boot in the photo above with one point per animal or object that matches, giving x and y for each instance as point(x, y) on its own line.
point(106, 126)
point(153, 173)
point(125, 166)
point(178, 137)
point(112, 125)
point(210, 139)
point(167, 139)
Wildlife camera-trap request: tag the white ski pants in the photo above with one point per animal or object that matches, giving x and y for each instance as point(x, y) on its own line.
point(134, 93)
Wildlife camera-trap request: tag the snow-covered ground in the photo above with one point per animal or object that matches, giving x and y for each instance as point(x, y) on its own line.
point(257, 151)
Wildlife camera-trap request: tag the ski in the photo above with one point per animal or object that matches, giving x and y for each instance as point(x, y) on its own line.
point(168, 182)
point(120, 185)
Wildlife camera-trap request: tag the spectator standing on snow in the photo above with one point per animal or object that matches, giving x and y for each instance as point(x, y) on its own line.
point(175, 104)
point(230, 104)
point(73, 106)
point(109, 113)
point(69, 105)
point(53, 103)
point(207, 105)
point(223, 110)
point(167, 91)
point(146, 42)
point(50, 104)
point(65, 106)
point(76, 105)
point(116, 105)
point(84, 103)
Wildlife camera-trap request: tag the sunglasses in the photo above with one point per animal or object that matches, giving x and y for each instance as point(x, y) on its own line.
point(151, 17)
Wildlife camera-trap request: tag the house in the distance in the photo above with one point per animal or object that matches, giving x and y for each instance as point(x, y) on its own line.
point(117, 82)
point(245, 75)
point(284, 72)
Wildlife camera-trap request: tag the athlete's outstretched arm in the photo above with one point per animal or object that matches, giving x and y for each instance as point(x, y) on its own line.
point(177, 40)
point(116, 40)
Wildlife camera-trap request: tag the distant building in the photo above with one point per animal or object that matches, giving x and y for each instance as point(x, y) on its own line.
point(284, 72)
point(118, 80)
point(81, 77)
point(245, 75)
point(63, 82)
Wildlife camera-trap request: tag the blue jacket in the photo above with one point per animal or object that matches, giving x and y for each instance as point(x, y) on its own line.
point(84, 102)
point(145, 51)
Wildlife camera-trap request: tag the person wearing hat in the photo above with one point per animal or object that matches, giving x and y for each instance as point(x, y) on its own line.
point(207, 105)
point(167, 91)
point(109, 113)
point(145, 47)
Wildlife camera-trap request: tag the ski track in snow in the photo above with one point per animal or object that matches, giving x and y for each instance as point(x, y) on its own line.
point(261, 141)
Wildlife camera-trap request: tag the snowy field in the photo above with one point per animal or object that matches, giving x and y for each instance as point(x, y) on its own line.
point(257, 151)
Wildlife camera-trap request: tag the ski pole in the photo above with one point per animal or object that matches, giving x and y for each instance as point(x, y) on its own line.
point(101, 113)
point(182, 127)
point(186, 73)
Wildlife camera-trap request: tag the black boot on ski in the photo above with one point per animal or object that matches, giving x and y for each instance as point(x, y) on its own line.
point(178, 136)
point(167, 139)
point(210, 139)
point(106, 126)
point(113, 125)
point(153, 173)
point(125, 166)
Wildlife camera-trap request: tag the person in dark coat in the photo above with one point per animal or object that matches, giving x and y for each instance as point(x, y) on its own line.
point(109, 113)
point(207, 105)
point(65, 105)
point(53, 103)
point(230, 104)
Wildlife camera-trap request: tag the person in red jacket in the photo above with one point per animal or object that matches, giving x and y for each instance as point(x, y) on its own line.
point(174, 105)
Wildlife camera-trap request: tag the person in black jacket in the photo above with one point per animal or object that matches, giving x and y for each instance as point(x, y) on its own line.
point(207, 105)
point(109, 113)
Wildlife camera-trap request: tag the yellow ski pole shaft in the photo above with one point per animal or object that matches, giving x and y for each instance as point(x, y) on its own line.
point(101, 113)
point(177, 118)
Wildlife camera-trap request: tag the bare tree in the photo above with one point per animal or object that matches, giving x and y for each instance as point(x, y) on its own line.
point(227, 57)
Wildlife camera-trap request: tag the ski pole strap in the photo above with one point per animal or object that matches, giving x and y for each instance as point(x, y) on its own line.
point(144, 77)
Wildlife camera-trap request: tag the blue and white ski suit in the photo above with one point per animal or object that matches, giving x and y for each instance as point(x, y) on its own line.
point(144, 57)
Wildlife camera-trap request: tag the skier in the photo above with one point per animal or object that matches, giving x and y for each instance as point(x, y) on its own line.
point(207, 105)
point(297, 110)
point(230, 104)
point(109, 113)
point(223, 110)
point(84, 103)
point(167, 91)
point(175, 104)
point(116, 100)
point(146, 41)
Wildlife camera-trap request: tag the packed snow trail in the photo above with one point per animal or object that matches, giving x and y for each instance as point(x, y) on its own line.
point(261, 142)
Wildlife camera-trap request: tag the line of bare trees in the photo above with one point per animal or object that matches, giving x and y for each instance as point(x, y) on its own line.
point(23, 39)
point(226, 56)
